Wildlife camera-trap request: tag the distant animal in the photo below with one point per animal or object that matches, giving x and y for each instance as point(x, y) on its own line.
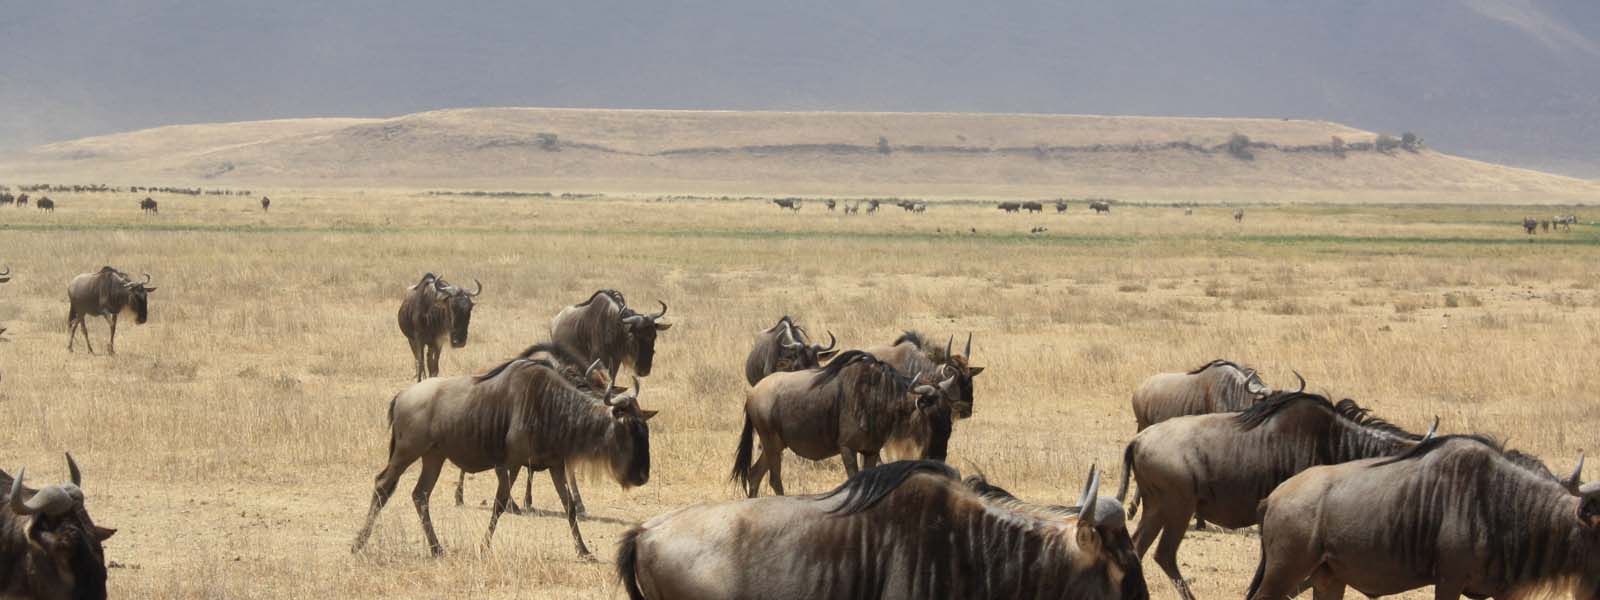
point(856, 404)
point(1037, 230)
point(1453, 513)
point(785, 347)
point(433, 310)
point(604, 328)
point(49, 546)
point(789, 203)
point(852, 208)
point(1238, 216)
point(1100, 206)
point(6, 198)
point(105, 293)
point(906, 205)
point(265, 203)
point(149, 206)
point(1545, 225)
point(910, 529)
point(1061, 206)
point(22, 200)
point(1033, 207)
point(872, 206)
point(1188, 211)
point(919, 207)
point(830, 204)
point(1564, 221)
point(1530, 225)
point(1010, 207)
point(521, 413)
point(1220, 466)
point(50, 205)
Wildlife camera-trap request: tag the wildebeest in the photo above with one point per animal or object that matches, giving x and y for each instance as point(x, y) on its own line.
point(22, 200)
point(906, 205)
point(433, 311)
point(521, 413)
point(1010, 207)
point(265, 203)
point(49, 546)
point(149, 206)
point(1033, 207)
point(830, 204)
point(1188, 211)
point(908, 529)
point(789, 203)
point(604, 328)
point(1238, 216)
point(919, 207)
point(6, 198)
point(911, 353)
point(1453, 513)
point(856, 404)
point(1220, 466)
point(785, 347)
point(1100, 206)
point(852, 208)
point(1564, 221)
point(105, 293)
point(50, 205)
point(1545, 225)
point(1061, 206)
point(872, 206)
point(1530, 225)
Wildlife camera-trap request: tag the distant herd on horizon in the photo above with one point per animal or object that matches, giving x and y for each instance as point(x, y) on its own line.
point(1344, 498)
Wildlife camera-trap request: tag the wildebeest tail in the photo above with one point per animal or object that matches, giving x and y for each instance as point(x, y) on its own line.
point(391, 424)
point(72, 315)
point(1127, 472)
point(627, 559)
point(742, 459)
point(1261, 569)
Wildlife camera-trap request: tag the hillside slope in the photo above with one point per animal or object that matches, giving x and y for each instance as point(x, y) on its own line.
point(774, 152)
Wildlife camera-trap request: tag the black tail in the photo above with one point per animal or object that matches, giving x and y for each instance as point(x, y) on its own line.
point(391, 425)
point(628, 560)
point(72, 315)
point(1127, 474)
point(1261, 568)
point(741, 460)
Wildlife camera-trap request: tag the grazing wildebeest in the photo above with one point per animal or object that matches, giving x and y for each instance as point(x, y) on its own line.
point(872, 206)
point(1100, 206)
point(1565, 221)
point(22, 200)
point(830, 204)
point(785, 347)
point(1033, 207)
point(1530, 225)
point(919, 207)
point(856, 404)
point(1061, 206)
point(789, 203)
point(7, 199)
point(910, 353)
point(49, 546)
point(149, 206)
point(265, 203)
point(105, 293)
point(1545, 225)
point(906, 530)
point(1238, 216)
point(1217, 386)
point(50, 205)
point(521, 413)
point(1220, 466)
point(1453, 513)
point(1010, 207)
point(604, 328)
point(433, 311)
point(852, 208)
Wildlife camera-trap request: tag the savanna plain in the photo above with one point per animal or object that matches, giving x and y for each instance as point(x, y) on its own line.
point(233, 439)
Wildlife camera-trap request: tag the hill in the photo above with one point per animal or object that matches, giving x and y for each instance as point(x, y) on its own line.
point(937, 154)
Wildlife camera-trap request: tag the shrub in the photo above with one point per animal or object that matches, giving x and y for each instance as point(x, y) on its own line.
point(1239, 146)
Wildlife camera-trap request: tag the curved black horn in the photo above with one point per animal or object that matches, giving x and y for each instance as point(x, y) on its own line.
point(1577, 473)
point(17, 506)
point(1302, 381)
point(947, 345)
point(832, 342)
point(663, 312)
point(606, 399)
point(146, 278)
point(480, 287)
point(1435, 429)
point(968, 352)
point(590, 371)
point(72, 467)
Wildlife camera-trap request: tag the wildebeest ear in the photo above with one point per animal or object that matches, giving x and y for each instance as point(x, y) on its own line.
point(663, 326)
point(926, 401)
point(649, 413)
point(103, 533)
point(974, 371)
point(1589, 509)
point(149, 289)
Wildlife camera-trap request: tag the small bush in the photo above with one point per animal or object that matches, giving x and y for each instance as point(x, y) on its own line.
point(1239, 146)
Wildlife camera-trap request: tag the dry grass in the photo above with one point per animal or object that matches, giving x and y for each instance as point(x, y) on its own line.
point(234, 438)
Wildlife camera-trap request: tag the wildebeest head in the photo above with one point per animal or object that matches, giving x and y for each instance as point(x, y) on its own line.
point(795, 350)
point(959, 366)
point(630, 436)
point(936, 405)
point(460, 303)
point(63, 543)
point(139, 298)
point(641, 332)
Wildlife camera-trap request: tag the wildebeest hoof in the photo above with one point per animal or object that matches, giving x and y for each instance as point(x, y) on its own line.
point(586, 556)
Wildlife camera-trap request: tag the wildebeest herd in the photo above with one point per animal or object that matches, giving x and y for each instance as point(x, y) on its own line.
point(1344, 498)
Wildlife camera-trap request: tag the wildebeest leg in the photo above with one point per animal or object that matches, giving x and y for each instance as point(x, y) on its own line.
point(527, 492)
point(419, 496)
point(757, 471)
point(577, 498)
point(383, 488)
point(502, 496)
point(461, 483)
point(849, 457)
point(869, 459)
point(433, 360)
point(72, 330)
point(1327, 587)
point(416, 357)
point(1445, 590)
point(1173, 530)
point(112, 348)
point(1146, 533)
point(775, 465)
point(558, 475)
point(1199, 523)
point(511, 505)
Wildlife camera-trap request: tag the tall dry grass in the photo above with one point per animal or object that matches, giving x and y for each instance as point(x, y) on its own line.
point(234, 438)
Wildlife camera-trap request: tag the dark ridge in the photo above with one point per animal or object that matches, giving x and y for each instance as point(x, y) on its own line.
point(837, 365)
point(868, 487)
point(1421, 450)
point(1219, 362)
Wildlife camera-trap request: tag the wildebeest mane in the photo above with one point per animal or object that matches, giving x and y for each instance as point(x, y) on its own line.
point(1220, 363)
point(615, 296)
point(1348, 409)
point(1423, 449)
point(1273, 404)
point(831, 372)
point(562, 354)
point(868, 487)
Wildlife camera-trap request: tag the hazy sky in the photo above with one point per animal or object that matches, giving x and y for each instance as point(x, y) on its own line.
point(1505, 80)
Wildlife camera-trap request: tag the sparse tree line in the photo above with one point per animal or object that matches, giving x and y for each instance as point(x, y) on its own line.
point(485, 194)
point(1240, 146)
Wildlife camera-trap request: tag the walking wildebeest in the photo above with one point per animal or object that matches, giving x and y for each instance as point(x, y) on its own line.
point(1545, 225)
point(105, 293)
point(905, 530)
point(22, 200)
point(1010, 207)
point(910, 353)
point(852, 208)
point(785, 347)
point(1033, 207)
point(919, 207)
point(49, 547)
point(604, 328)
point(789, 203)
point(521, 413)
point(50, 205)
point(1100, 206)
point(872, 206)
point(1564, 221)
point(830, 204)
point(1530, 225)
point(7, 199)
point(1220, 466)
point(1217, 386)
point(855, 404)
point(149, 206)
point(265, 203)
point(1453, 513)
point(433, 311)
point(1238, 216)
point(1061, 206)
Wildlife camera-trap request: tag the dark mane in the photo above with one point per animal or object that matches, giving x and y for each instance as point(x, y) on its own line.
point(1273, 404)
point(914, 337)
point(615, 296)
point(1348, 409)
point(869, 487)
point(979, 484)
point(837, 365)
point(1423, 449)
point(1220, 363)
point(562, 354)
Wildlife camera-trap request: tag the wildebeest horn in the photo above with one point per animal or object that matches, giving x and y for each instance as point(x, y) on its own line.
point(636, 388)
point(480, 287)
point(146, 278)
point(832, 342)
point(17, 506)
point(1091, 496)
point(1302, 381)
point(947, 344)
point(1435, 429)
point(663, 312)
point(606, 399)
point(968, 352)
point(1577, 473)
point(788, 334)
point(72, 467)
point(590, 371)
